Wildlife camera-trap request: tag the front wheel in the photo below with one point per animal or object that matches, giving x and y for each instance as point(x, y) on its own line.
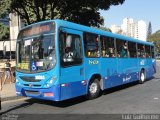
point(94, 89)
point(142, 77)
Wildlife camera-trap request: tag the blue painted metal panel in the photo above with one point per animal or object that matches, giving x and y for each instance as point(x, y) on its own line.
point(72, 89)
point(21, 91)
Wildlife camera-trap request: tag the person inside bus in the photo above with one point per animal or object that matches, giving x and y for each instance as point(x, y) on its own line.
point(111, 52)
point(141, 51)
point(123, 52)
point(68, 56)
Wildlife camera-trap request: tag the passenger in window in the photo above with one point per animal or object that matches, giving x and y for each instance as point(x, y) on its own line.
point(91, 48)
point(98, 54)
point(97, 50)
point(108, 53)
point(68, 56)
point(143, 51)
point(123, 52)
point(111, 52)
point(103, 53)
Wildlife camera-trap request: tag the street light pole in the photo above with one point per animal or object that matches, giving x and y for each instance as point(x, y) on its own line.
point(10, 35)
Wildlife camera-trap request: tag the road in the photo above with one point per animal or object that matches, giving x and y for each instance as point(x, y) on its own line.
point(129, 99)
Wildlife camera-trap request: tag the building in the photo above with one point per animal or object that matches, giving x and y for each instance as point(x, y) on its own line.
point(142, 30)
point(132, 28)
point(8, 47)
point(115, 29)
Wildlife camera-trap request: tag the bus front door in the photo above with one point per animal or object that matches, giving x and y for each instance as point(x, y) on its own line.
point(71, 61)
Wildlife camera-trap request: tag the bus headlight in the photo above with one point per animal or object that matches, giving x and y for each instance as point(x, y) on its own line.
point(50, 82)
point(17, 82)
point(47, 85)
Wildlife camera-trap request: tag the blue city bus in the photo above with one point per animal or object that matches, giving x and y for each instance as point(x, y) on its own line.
point(58, 60)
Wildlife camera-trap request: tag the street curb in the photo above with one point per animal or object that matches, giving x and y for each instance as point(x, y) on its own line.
point(11, 98)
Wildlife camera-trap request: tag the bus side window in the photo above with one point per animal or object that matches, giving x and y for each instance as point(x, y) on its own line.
point(70, 49)
point(152, 52)
point(141, 51)
point(122, 48)
point(107, 46)
point(132, 49)
point(91, 44)
point(148, 51)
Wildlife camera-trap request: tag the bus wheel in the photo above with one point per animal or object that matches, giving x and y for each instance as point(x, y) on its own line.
point(94, 89)
point(142, 77)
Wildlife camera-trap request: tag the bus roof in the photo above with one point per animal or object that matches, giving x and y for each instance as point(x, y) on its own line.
point(79, 27)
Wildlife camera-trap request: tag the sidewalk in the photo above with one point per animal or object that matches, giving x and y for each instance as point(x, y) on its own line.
point(8, 92)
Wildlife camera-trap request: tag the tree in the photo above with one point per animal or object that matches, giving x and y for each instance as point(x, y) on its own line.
point(84, 12)
point(4, 30)
point(149, 32)
point(105, 29)
point(155, 39)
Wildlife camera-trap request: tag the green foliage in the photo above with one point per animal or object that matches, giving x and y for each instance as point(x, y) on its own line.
point(84, 12)
point(105, 29)
point(155, 38)
point(4, 31)
point(149, 32)
point(4, 7)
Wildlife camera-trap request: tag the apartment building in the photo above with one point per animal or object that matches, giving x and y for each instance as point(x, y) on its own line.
point(132, 28)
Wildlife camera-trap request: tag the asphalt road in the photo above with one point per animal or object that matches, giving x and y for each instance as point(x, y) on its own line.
point(129, 99)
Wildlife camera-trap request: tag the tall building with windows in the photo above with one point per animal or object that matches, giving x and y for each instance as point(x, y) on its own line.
point(132, 28)
point(142, 30)
point(115, 28)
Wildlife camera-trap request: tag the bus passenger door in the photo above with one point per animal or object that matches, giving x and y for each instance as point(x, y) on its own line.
point(71, 61)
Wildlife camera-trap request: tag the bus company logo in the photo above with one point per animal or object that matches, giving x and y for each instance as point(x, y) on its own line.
point(30, 85)
point(93, 62)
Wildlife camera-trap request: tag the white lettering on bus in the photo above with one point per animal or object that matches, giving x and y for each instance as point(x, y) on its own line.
point(93, 62)
point(126, 79)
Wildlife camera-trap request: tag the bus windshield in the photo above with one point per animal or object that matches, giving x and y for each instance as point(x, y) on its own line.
point(36, 54)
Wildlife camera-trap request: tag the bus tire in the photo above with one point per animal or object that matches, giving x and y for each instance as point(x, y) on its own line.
point(94, 89)
point(142, 77)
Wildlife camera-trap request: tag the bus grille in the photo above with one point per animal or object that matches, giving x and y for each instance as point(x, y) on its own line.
point(32, 85)
point(29, 79)
point(32, 92)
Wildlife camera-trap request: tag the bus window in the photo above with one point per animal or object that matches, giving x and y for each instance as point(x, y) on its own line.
point(107, 47)
point(148, 51)
point(70, 49)
point(91, 43)
point(152, 51)
point(132, 49)
point(141, 51)
point(122, 48)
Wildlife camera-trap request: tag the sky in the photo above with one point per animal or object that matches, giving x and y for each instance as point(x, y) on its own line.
point(146, 10)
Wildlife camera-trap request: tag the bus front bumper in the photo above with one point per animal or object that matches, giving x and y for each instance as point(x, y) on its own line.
point(51, 93)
